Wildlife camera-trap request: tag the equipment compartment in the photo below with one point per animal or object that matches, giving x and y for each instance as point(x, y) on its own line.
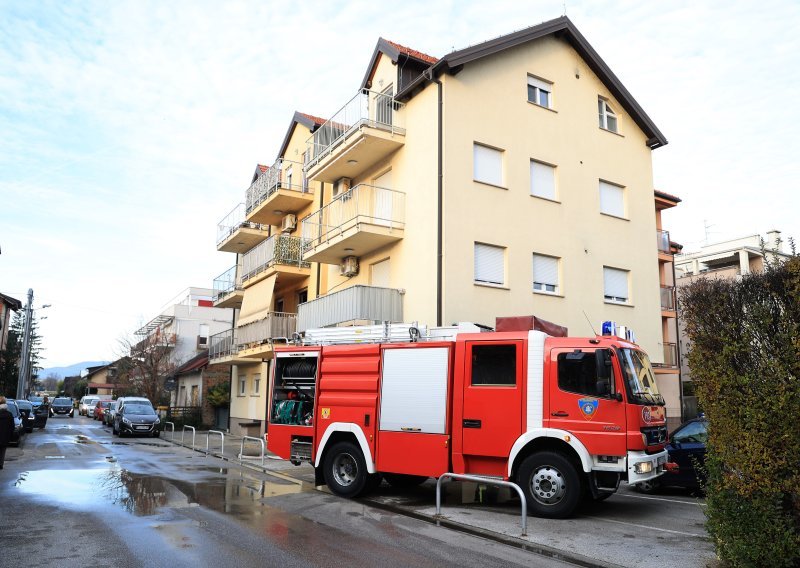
point(294, 390)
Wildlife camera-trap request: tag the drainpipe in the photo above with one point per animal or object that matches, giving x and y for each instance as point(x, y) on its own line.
point(439, 182)
point(319, 269)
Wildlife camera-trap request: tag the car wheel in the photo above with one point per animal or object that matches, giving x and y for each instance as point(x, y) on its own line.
point(551, 485)
point(156, 434)
point(345, 470)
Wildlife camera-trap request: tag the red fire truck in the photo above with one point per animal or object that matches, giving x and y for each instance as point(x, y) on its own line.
point(563, 417)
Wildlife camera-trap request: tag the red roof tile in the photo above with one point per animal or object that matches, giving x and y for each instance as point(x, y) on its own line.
point(263, 168)
point(316, 119)
point(413, 53)
point(665, 195)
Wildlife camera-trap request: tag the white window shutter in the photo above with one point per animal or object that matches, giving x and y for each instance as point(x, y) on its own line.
point(538, 83)
point(615, 282)
point(489, 264)
point(487, 165)
point(612, 199)
point(543, 180)
point(545, 270)
point(380, 274)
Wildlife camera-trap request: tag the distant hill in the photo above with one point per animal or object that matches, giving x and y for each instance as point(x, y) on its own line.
point(71, 370)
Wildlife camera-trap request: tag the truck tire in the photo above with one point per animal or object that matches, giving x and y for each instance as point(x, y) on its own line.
point(551, 484)
point(345, 470)
point(400, 481)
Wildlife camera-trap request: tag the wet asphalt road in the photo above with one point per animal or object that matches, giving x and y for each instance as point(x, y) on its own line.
point(73, 495)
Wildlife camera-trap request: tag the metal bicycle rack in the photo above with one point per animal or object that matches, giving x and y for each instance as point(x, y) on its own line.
point(172, 430)
point(221, 437)
point(487, 480)
point(184, 432)
point(241, 448)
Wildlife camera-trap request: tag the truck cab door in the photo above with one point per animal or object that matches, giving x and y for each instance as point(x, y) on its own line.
point(586, 399)
point(491, 419)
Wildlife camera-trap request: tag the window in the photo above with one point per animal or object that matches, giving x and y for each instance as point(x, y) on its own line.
point(302, 296)
point(256, 384)
point(279, 305)
point(489, 264)
point(615, 284)
point(692, 433)
point(195, 396)
point(487, 165)
point(539, 92)
point(494, 365)
point(577, 372)
point(242, 385)
point(545, 273)
point(379, 274)
point(612, 199)
point(606, 115)
point(289, 177)
point(543, 180)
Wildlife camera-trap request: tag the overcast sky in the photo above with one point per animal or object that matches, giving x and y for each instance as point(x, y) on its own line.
point(129, 129)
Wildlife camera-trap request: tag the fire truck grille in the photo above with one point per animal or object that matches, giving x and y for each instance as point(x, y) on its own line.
point(300, 451)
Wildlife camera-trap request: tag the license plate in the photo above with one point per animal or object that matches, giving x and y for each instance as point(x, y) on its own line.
point(142, 427)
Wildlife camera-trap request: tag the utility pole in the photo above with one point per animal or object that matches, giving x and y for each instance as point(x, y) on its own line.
point(25, 356)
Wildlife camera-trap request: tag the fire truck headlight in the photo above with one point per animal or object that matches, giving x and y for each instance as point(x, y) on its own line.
point(643, 467)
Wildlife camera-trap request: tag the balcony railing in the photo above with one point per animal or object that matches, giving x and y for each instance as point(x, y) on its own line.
point(226, 283)
point(276, 325)
point(361, 204)
point(670, 355)
point(222, 345)
point(234, 221)
point(154, 341)
point(663, 241)
point(668, 298)
point(367, 108)
point(357, 303)
point(272, 180)
point(278, 249)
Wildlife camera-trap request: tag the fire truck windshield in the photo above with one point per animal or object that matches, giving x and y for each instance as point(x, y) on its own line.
point(639, 377)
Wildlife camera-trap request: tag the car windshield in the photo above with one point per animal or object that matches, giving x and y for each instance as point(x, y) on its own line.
point(61, 401)
point(144, 409)
point(35, 398)
point(639, 377)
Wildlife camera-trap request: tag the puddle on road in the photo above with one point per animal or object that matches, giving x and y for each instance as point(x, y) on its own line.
point(81, 439)
point(144, 495)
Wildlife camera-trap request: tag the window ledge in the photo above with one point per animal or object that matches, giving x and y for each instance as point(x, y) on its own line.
point(550, 199)
point(488, 285)
point(624, 305)
point(542, 107)
point(611, 131)
point(241, 396)
point(552, 294)
point(614, 216)
point(490, 184)
point(255, 395)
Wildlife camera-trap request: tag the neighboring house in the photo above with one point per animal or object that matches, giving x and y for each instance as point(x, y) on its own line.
point(727, 259)
point(512, 177)
point(100, 379)
point(7, 305)
point(192, 381)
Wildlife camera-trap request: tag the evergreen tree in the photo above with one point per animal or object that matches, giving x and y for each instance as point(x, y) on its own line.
point(10, 357)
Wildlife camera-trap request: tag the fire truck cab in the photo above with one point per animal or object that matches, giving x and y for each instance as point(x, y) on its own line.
point(562, 417)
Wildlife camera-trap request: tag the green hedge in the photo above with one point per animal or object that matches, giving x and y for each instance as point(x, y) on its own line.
point(744, 356)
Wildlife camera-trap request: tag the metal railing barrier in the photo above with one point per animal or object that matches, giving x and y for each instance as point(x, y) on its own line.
point(241, 448)
point(490, 481)
point(221, 437)
point(184, 432)
point(172, 429)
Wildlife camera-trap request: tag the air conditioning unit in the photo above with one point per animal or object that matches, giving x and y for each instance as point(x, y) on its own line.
point(288, 223)
point(202, 341)
point(341, 185)
point(349, 266)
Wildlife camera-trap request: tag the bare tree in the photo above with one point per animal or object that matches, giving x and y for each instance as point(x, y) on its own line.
point(145, 363)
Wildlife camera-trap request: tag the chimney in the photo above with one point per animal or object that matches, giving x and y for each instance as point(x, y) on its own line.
point(774, 241)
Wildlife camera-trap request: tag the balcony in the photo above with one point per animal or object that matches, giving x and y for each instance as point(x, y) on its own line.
point(355, 223)
point(153, 342)
point(670, 357)
point(228, 292)
point(668, 301)
point(276, 193)
point(256, 338)
point(223, 348)
point(279, 253)
point(234, 234)
point(354, 304)
point(363, 132)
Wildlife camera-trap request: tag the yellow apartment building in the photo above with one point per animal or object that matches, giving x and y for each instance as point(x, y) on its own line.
point(512, 177)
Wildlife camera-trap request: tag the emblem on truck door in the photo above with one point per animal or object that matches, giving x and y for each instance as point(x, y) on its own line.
point(326, 413)
point(588, 407)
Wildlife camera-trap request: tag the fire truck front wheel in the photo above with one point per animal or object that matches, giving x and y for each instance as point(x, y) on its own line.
point(551, 484)
point(345, 470)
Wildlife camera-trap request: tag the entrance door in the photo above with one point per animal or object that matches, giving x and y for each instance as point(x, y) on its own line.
point(382, 199)
point(492, 409)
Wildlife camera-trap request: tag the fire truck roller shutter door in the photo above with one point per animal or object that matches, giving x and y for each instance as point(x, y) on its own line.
point(564, 436)
point(360, 438)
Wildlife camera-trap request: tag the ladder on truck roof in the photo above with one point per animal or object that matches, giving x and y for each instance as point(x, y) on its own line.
point(386, 333)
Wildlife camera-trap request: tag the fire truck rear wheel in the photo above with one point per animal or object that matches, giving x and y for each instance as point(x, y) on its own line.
point(345, 470)
point(551, 484)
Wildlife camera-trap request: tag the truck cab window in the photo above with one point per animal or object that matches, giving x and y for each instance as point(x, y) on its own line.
point(494, 365)
point(577, 372)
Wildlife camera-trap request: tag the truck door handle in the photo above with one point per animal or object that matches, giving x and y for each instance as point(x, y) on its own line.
point(471, 423)
point(559, 413)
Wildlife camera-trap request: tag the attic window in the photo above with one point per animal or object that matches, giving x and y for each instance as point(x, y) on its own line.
point(606, 115)
point(540, 92)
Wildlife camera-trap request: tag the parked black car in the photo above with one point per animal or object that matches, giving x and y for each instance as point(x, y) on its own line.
point(26, 412)
point(62, 407)
point(687, 454)
point(19, 428)
point(136, 417)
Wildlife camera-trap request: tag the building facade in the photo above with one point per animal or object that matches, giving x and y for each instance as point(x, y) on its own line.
point(512, 177)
